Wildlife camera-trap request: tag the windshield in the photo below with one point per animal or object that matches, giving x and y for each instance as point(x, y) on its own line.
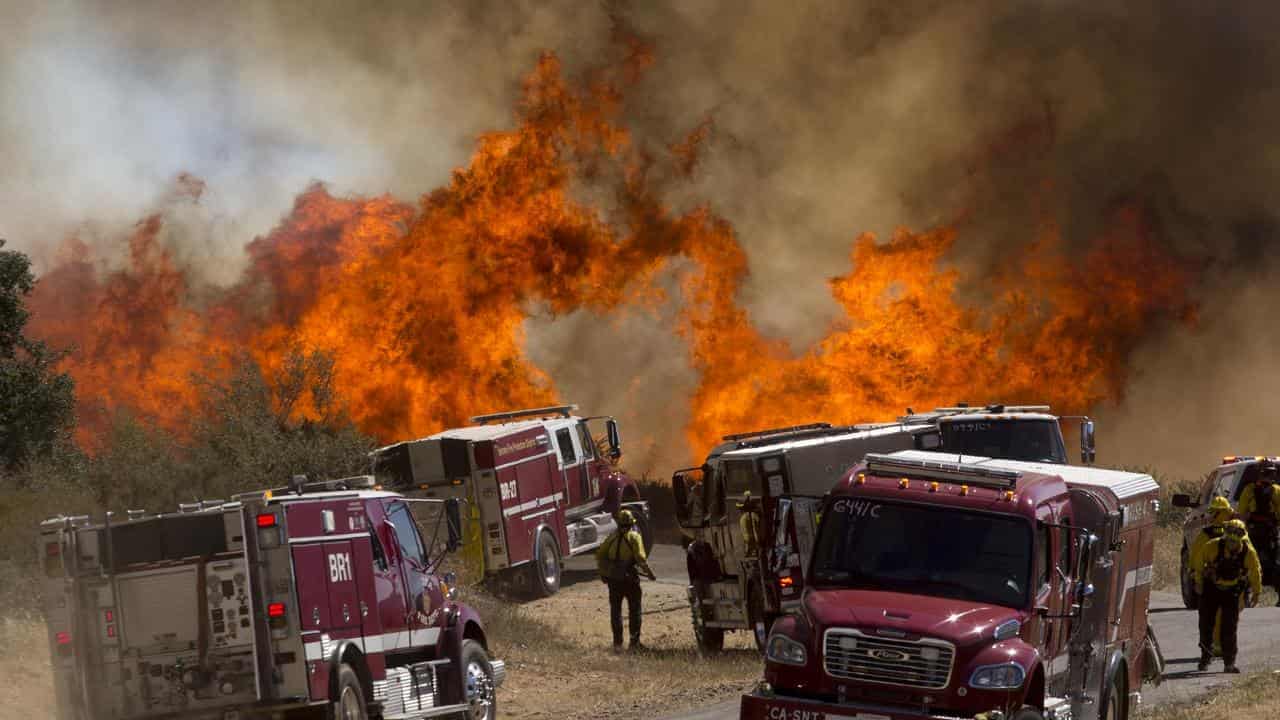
point(944, 552)
point(1034, 440)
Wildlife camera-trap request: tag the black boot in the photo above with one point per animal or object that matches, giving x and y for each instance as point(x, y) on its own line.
point(1205, 658)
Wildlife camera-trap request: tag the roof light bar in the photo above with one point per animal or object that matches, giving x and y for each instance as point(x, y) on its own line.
point(888, 465)
point(776, 431)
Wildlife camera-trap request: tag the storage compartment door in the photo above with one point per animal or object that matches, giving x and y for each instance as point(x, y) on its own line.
point(344, 599)
point(311, 571)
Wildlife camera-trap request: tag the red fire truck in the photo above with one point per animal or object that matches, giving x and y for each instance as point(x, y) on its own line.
point(539, 487)
point(317, 600)
point(969, 588)
point(733, 586)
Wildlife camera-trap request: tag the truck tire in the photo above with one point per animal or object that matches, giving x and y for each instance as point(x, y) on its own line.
point(1115, 701)
point(478, 690)
point(546, 566)
point(1189, 597)
point(348, 701)
point(1027, 713)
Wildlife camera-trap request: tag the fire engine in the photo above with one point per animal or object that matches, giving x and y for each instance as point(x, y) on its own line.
point(540, 487)
point(736, 587)
point(945, 587)
point(317, 600)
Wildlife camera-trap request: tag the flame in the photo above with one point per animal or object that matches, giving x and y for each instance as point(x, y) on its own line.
point(423, 307)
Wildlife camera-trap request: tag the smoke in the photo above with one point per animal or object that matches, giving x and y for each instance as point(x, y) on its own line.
point(823, 120)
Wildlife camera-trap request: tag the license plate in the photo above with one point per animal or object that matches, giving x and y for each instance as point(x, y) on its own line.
point(781, 713)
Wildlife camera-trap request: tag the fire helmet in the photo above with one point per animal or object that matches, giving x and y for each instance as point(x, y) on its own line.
point(1236, 528)
point(1219, 506)
point(626, 519)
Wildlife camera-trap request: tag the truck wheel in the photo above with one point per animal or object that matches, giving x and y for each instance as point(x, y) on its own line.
point(545, 567)
point(1189, 597)
point(756, 618)
point(348, 703)
point(478, 689)
point(1027, 713)
point(1115, 704)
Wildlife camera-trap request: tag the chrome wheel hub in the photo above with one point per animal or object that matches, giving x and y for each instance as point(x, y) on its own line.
point(480, 692)
point(349, 705)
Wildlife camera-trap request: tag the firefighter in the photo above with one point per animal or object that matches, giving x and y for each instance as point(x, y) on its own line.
point(621, 561)
point(1260, 509)
point(1220, 513)
point(749, 521)
point(1225, 568)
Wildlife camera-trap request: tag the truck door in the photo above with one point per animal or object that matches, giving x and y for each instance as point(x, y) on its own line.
point(797, 529)
point(1049, 633)
point(412, 568)
point(588, 481)
point(572, 468)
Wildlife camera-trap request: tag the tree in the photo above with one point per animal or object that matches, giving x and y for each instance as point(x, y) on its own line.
point(257, 429)
point(37, 402)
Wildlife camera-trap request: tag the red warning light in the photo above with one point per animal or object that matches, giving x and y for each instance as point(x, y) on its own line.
point(275, 610)
point(267, 520)
point(63, 638)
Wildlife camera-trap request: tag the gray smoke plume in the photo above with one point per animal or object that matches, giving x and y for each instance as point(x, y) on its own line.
point(828, 119)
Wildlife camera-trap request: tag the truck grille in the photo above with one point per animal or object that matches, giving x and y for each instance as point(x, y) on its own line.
point(852, 655)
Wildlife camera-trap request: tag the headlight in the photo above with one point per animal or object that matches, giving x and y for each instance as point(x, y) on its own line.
point(1007, 629)
point(784, 650)
point(998, 677)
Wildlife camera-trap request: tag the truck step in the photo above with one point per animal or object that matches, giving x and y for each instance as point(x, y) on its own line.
point(443, 711)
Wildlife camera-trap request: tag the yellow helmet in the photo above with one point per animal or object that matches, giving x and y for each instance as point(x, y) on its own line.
point(1219, 504)
point(626, 519)
point(1236, 528)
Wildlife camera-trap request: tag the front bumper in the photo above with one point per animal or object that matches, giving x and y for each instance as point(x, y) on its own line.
point(757, 706)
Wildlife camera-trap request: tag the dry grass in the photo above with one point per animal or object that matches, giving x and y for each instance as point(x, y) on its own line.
point(1256, 697)
point(27, 690)
point(561, 663)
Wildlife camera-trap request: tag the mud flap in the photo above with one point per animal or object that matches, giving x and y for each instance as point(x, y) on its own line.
point(1152, 659)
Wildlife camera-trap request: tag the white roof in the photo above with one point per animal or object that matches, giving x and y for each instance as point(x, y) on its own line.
point(477, 433)
point(997, 416)
point(784, 444)
point(1123, 484)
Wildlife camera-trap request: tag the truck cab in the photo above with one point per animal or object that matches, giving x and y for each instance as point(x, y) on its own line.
point(1228, 480)
point(316, 599)
point(975, 588)
point(735, 584)
point(537, 484)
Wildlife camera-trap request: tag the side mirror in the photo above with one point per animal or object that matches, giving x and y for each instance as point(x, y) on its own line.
point(1088, 546)
point(1087, 451)
point(1183, 501)
point(615, 440)
point(453, 516)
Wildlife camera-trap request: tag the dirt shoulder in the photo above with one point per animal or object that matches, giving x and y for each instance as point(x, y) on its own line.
point(1255, 697)
point(561, 663)
point(27, 690)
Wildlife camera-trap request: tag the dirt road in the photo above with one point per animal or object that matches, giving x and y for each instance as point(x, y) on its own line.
point(1175, 628)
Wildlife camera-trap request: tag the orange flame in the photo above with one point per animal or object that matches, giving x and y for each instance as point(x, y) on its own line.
point(423, 308)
